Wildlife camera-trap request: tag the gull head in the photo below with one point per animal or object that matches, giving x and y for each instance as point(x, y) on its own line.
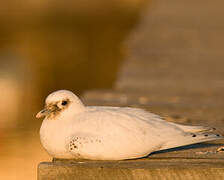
point(61, 102)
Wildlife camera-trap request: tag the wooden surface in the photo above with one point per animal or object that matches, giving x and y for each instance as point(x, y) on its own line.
point(144, 169)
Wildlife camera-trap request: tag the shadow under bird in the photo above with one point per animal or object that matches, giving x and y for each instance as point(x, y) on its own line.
point(71, 130)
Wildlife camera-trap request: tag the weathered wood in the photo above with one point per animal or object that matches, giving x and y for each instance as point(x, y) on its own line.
point(169, 169)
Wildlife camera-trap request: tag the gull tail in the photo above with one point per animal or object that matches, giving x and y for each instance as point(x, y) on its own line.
point(193, 135)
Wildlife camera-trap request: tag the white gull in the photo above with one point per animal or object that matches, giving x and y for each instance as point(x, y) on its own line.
point(71, 130)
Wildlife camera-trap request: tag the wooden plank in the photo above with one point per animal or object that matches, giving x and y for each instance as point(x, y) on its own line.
point(144, 169)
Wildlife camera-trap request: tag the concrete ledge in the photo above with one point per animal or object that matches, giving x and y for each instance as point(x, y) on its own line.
point(142, 169)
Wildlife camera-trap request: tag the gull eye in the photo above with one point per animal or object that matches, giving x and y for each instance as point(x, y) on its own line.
point(64, 103)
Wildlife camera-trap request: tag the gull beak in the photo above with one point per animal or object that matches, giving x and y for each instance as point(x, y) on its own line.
point(43, 113)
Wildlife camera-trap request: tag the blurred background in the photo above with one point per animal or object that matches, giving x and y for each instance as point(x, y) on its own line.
point(162, 56)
